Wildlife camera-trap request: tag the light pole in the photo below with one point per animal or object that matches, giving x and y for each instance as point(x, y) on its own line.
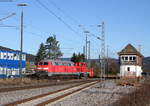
point(21, 38)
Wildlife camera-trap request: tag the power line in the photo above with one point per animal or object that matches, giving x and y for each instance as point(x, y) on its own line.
point(63, 12)
point(31, 26)
point(34, 33)
point(8, 16)
point(39, 35)
point(16, 26)
point(59, 18)
point(71, 18)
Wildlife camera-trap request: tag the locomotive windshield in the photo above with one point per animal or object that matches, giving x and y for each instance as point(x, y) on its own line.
point(41, 63)
point(45, 63)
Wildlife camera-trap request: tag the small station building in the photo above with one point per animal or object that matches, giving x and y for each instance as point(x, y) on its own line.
point(130, 60)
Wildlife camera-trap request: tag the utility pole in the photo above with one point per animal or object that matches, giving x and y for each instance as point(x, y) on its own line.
point(86, 46)
point(84, 50)
point(107, 61)
point(21, 43)
point(89, 54)
point(86, 32)
point(103, 62)
point(21, 40)
point(86, 41)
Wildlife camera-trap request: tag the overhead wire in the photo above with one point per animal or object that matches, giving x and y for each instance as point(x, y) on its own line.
point(33, 33)
point(17, 27)
point(8, 16)
point(63, 12)
point(68, 41)
point(71, 18)
point(59, 18)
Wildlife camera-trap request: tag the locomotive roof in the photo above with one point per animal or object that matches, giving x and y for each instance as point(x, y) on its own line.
point(57, 61)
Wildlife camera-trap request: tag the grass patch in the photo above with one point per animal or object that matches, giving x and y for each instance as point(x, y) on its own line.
point(128, 81)
point(140, 97)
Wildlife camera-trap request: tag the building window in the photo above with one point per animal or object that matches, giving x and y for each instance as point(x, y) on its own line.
point(1, 55)
point(11, 57)
point(126, 58)
point(134, 58)
point(5, 57)
point(131, 58)
point(128, 68)
point(122, 58)
point(8, 57)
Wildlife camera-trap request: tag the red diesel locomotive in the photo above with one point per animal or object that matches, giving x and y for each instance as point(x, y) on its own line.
point(58, 67)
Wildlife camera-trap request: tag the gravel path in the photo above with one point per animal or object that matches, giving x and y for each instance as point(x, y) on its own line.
point(8, 97)
point(102, 94)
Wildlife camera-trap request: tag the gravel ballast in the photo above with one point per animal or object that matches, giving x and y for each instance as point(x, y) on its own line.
point(9, 97)
point(101, 94)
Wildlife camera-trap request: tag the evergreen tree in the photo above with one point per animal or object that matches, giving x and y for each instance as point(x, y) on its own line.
point(81, 57)
point(52, 48)
point(74, 58)
point(77, 57)
point(41, 53)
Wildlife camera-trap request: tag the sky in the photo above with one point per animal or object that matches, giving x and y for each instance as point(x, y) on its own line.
point(126, 21)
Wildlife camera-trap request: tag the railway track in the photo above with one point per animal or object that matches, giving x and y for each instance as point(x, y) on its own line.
point(53, 97)
point(8, 89)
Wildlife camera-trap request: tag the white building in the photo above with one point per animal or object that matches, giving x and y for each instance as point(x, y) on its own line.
point(130, 62)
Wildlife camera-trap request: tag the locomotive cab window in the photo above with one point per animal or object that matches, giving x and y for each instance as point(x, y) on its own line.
point(65, 64)
point(41, 63)
point(45, 63)
point(69, 64)
point(60, 63)
point(56, 63)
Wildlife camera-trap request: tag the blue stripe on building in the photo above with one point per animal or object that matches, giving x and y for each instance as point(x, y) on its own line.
point(10, 63)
